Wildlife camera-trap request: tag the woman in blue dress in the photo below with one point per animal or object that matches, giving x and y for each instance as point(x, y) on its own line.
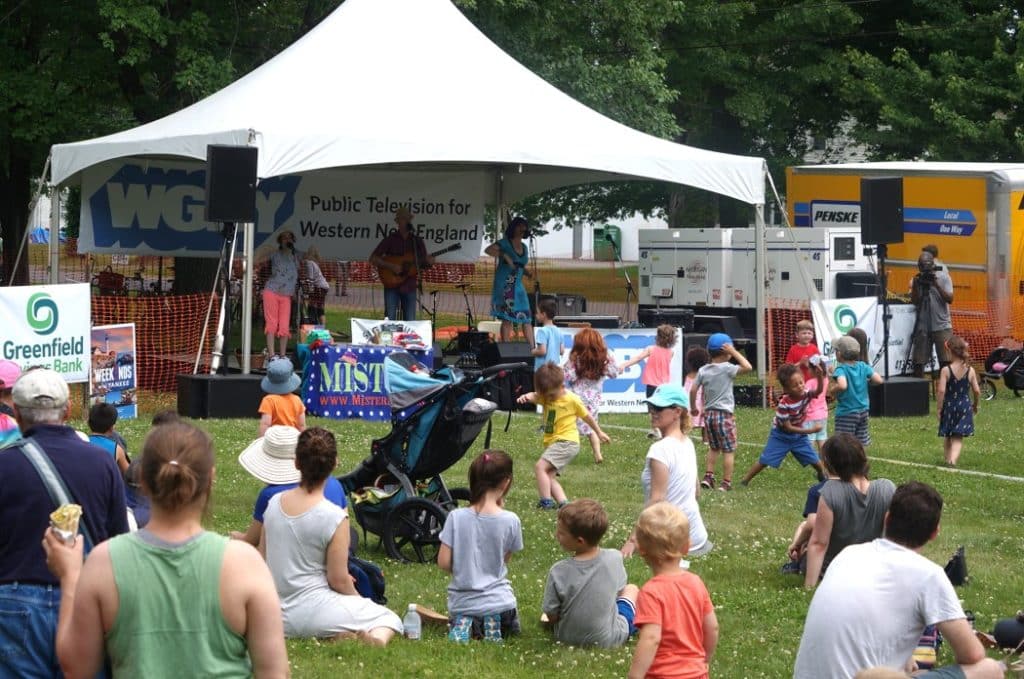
point(509, 302)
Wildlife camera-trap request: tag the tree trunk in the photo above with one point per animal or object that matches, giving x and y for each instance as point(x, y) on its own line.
point(15, 191)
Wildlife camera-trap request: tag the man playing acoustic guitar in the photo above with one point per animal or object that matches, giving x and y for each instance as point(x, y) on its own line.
point(399, 258)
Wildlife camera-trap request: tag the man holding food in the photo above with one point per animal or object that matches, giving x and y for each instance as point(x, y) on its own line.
point(29, 593)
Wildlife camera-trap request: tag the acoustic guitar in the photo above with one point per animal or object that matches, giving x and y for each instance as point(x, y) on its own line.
point(390, 279)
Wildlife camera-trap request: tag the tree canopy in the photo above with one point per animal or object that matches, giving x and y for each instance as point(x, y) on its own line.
point(932, 79)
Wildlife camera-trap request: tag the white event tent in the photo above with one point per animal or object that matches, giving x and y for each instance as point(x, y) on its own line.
point(412, 83)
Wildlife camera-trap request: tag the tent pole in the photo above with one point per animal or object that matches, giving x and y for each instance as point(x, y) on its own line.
point(247, 258)
point(762, 282)
point(54, 245)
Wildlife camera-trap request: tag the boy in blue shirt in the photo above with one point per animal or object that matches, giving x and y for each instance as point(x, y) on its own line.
point(547, 338)
point(849, 386)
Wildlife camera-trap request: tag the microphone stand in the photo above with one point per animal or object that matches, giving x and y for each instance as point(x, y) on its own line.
point(536, 279)
point(432, 312)
point(630, 291)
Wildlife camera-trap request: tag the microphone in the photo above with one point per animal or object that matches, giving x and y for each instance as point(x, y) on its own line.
point(463, 286)
point(608, 237)
point(434, 292)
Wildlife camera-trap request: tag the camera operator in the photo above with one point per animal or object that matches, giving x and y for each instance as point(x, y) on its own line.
point(931, 291)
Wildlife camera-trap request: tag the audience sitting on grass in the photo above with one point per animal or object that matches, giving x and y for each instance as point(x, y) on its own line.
point(851, 507)
point(678, 629)
point(587, 597)
point(271, 459)
point(171, 598)
point(670, 468)
point(305, 540)
point(878, 597)
point(102, 418)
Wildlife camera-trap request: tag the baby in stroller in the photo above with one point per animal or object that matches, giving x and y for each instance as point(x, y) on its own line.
point(1007, 364)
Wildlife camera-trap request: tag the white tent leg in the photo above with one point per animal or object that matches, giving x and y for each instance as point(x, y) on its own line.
point(247, 258)
point(54, 246)
point(761, 271)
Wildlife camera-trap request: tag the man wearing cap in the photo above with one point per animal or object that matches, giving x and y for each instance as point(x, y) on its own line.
point(29, 593)
point(402, 253)
point(877, 597)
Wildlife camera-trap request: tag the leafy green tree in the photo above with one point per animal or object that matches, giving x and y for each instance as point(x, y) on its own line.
point(948, 86)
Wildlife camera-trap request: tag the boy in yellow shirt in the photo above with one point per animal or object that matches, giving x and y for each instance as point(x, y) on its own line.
point(561, 438)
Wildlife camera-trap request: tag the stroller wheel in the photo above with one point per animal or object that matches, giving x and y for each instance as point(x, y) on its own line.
point(412, 530)
point(988, 389)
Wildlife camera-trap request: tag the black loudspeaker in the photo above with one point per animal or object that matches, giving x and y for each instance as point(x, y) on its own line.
point(230, 183)
point(856, 284)
point(471, 341)
point(900, 396)
point(217, 396)
point(881, 210)
point(506, 390)
point(694, 339)
point(680, 318)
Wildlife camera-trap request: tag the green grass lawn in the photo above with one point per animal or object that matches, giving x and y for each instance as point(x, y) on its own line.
point(760, 611)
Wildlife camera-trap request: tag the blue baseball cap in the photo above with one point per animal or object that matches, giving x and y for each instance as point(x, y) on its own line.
point(718, 340)
point(669, 395)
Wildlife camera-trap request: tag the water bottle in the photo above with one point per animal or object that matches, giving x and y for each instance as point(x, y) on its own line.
point(412, 623)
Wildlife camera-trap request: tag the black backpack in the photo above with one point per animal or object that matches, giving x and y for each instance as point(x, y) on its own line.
point(369, 579)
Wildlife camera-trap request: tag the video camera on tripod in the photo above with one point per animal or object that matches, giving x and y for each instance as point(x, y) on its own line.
point(926, 274)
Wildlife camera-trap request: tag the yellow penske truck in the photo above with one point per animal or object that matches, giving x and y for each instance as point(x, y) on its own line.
point(973, 213)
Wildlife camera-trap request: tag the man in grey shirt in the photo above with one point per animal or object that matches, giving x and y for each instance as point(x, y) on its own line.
point(931, 291)
point(586, 596)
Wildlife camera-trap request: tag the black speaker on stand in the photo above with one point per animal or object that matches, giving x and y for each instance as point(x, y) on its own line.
point(231, 183)
point(881, 223)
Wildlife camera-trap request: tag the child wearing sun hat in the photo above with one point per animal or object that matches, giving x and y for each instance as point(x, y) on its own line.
point(280, 405)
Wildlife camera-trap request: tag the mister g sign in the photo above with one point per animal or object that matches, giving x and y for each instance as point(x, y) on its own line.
point(47, 325)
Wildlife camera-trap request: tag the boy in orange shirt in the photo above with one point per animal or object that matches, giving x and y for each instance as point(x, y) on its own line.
point(677, 623)
point(280, 405)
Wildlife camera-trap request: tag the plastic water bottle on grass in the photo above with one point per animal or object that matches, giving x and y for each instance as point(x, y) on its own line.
point(412, 623)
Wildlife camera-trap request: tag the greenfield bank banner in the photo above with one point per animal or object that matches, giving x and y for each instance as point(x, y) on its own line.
point(834, 318)
point(157, 208)
point(47, 325)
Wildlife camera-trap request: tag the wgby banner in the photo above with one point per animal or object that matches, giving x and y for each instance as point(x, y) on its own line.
point(114, 377)
point(834, 318)
point(626, 393)
point(48, 326)
point(156, 208)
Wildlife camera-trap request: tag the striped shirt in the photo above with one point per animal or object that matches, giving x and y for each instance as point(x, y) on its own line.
point(792, 410)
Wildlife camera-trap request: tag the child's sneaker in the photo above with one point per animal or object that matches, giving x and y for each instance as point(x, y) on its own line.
point(460, 629)
point(725, 485)
point(546, 503)
point(563, 503)
point(708, 481)
point(654, 435)
point(791, 568)
point(492, 628)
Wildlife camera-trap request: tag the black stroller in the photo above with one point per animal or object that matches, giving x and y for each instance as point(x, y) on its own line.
point(397, 492)
point(1007, 364)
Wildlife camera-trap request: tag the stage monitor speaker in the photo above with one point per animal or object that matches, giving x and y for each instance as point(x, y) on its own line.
point(856, 284)
point(900, 396)
point(230, 183)
point(694, 339)
point(217, 396)
point(472, 341)
point(506, 390)
point(653, 317)
point(595, 321)
point(881, 210)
